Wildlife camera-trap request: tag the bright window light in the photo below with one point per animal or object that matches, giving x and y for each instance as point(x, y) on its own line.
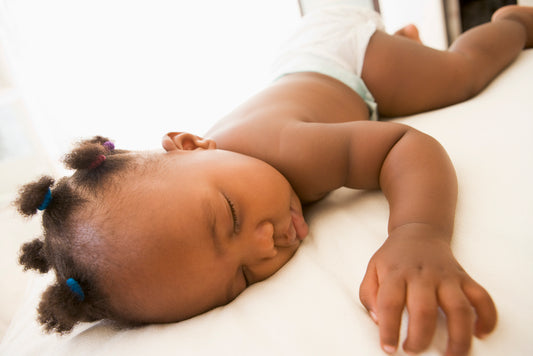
point(135, 69)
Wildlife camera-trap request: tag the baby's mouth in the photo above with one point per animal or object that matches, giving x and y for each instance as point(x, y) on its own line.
point(295, 231)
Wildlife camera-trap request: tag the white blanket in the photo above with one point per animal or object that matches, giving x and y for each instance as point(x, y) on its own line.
point(311, 307)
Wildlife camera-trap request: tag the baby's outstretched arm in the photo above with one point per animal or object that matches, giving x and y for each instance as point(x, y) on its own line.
point(415, 268)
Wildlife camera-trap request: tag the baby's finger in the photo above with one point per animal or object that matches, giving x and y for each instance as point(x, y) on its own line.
point(368, 291)
point(460, 318)
point(390, 303)
point(484, 306)
point(423, 311)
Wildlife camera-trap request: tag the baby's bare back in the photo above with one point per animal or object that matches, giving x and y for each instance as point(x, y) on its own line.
point(303, 97)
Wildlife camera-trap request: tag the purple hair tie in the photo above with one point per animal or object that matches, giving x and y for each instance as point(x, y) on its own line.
point(46, 201)
point(76, 288)
point(110, 146)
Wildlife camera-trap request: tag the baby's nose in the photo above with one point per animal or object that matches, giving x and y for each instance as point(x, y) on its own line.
point(263, 240)
point(264, 231)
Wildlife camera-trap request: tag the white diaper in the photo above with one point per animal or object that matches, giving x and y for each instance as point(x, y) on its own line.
point(332, 41)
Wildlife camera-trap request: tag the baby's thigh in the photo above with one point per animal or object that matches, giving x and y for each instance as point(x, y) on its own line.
point(406, 77)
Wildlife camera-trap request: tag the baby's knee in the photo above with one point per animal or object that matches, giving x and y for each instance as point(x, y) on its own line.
point(522, 15)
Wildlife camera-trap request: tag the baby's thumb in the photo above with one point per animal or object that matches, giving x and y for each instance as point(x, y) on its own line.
point(368, 291)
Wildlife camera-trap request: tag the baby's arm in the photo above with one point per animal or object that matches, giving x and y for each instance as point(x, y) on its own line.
point(415, 267)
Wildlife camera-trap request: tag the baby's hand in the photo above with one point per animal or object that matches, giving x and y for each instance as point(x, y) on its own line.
point(415, 268)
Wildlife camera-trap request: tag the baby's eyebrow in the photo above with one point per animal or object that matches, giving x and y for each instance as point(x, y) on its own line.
point(211, 218)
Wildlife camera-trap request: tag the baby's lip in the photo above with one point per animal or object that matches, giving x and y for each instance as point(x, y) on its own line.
point(297, 218)
point(299, 225)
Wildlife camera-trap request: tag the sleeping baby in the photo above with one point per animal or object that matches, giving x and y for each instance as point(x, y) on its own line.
point(162, 236)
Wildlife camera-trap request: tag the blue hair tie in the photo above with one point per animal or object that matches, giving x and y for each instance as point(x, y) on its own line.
point(76, 288)
point(46, 201)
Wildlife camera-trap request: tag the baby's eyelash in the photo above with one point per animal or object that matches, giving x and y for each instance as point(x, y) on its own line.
point(233, 214)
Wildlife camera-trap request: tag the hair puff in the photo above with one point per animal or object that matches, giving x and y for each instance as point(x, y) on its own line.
point(32, 195)
point(83, 156)
point(97, 139)
point(59, 309)
point(32, 256)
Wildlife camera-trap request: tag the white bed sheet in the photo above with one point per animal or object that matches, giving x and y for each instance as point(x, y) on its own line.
point(311, 307)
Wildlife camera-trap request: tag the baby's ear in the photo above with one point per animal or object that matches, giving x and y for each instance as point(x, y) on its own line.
point(185, 141)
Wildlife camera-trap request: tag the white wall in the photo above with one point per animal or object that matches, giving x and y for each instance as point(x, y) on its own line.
point(135, 69)
point(309, 5)
point(428, 15)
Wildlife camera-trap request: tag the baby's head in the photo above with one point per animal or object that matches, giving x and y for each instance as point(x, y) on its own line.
point(140, 237)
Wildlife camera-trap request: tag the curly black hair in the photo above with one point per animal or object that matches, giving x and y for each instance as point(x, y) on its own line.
point(60, 249)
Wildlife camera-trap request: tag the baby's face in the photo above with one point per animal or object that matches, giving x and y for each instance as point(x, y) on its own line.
point(200, 230)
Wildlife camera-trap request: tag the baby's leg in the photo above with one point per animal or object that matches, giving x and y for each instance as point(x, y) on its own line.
point(406, 77)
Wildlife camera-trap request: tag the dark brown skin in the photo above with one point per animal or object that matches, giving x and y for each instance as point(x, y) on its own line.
point(307, 125)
